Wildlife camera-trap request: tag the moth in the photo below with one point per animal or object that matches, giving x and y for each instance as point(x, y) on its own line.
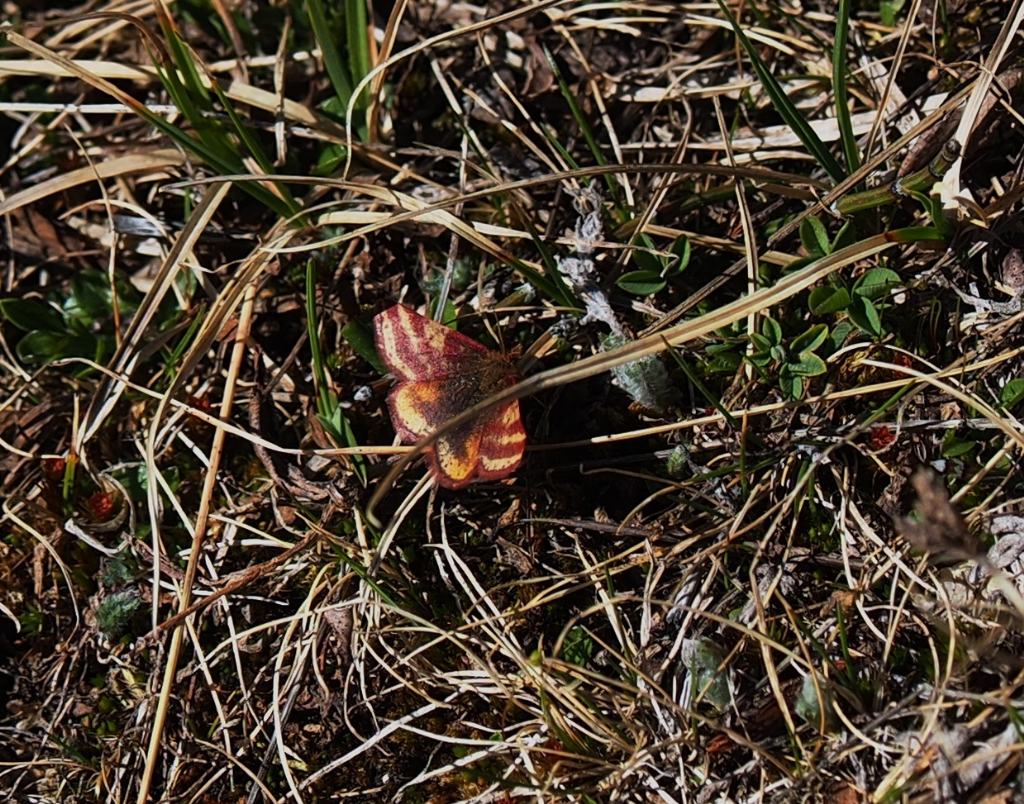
point(440, 373)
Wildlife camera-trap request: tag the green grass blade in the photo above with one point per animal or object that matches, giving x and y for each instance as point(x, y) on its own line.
point(343, 76)
point(254, 148)
point(316, 359)
point(173, 358)
point(330, 413)
point(212, 142)
point(550, 283)
point(784, 106)
point(336, 70)
point(191, 82)
point(620, 213)
point(356, 28)
point(839, 75)
point(212, 155)
point(702, 389)
point(584, 126)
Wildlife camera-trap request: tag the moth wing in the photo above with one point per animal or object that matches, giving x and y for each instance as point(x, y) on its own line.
point(417, 348)
point(489, 447)
point(502, 441)
point(416, 408)
point(454, 458)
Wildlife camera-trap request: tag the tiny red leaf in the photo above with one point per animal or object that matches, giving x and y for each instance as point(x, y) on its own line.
point(53, 469)
point(880, 437)
point(101, 506)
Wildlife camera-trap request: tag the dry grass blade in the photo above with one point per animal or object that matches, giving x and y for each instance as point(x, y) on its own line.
point(198, 536)
point(151, 163)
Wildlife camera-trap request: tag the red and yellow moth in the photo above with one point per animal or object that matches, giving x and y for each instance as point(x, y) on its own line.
point(441, 373)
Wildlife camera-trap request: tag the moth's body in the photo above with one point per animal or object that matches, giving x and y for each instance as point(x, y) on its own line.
point(441, 373)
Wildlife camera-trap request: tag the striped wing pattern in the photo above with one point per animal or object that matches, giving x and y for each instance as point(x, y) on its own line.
point(441, 373)
point(502, 441)
point(416, 348)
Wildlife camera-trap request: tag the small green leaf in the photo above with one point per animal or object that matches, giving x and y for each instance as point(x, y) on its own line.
point(681, 250)
point(449, 316)
point(888, 10)
point(578, 647)
point(463, 274)
point(792, 386)
point(876, 283)
point(808, 704)
point(772, 330)
point(827, 299)
point(955, 447)
point(116, 571)
point(1012, 393)
point(761, 343)
point(28, 314)
point(814, 237)
point(90, 297)
point(647, 262)
point(709, 681)
point(864, 314)
point(722, 357)
point(31, 621)
point(42, 347)
point(331, 160)
point(809, 340)
point(360, 338)
point(807, 364)
point(839, 334)
point(641, 283)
